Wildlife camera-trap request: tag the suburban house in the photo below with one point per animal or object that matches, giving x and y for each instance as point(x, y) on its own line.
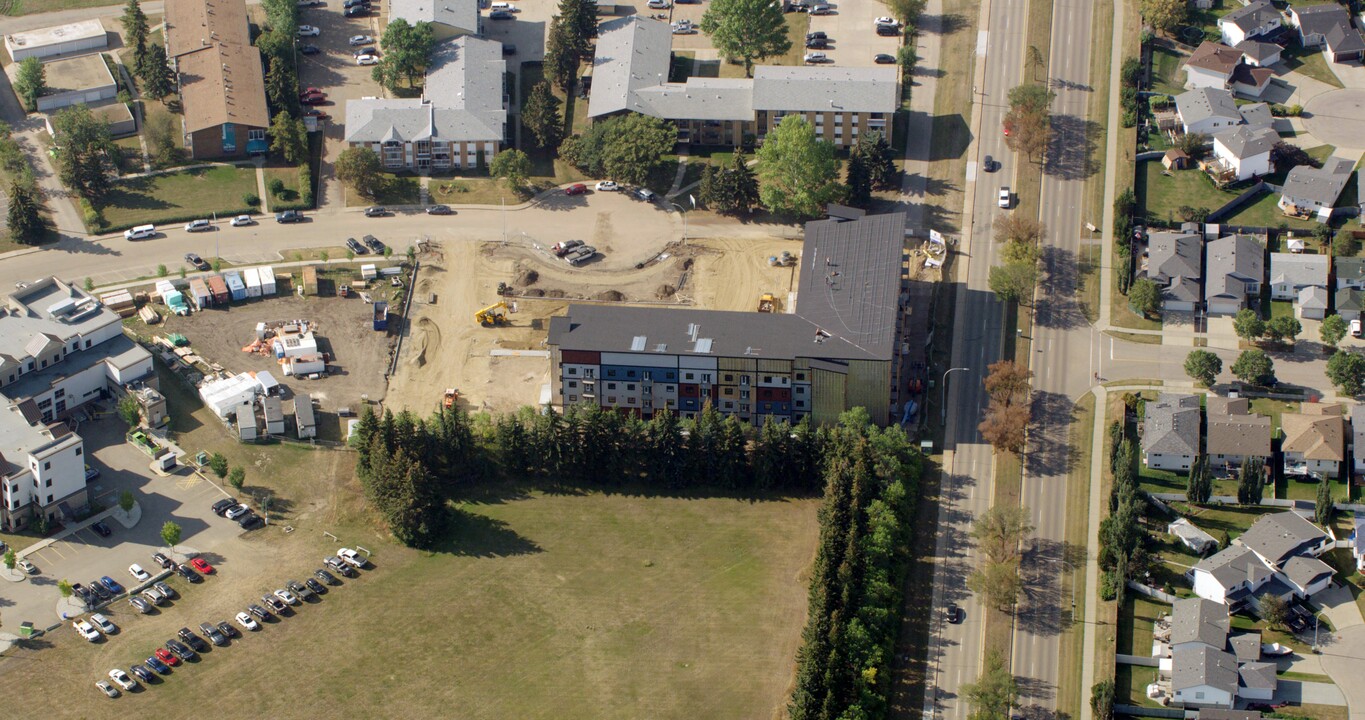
point(1310, 191)
point(1234, 433)
point(1206, 667)
point(1358, 438)
point(1242, 153)
point(218, 72)
point(62, 349)
point(1358, 550)
point(1175, 261)
point(1350, 272)
point(1192, 537)
point(1277, 555)
point(1170, 433)
point(448, 18)
point(1233, 273)
point(1328, 26)
point(1350, 302)
point(836, 350)
point(630, 74)
point(1259, 19)
point(1259, 54)
point(1291, 273)
point(1211, 65)
point(1250, 81)
point(459, 122)
point(1211, 110)
point(1314, 440)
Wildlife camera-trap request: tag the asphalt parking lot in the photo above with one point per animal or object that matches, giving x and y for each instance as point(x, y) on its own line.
point(83, 556)
point(853, 34)
point(527, 32)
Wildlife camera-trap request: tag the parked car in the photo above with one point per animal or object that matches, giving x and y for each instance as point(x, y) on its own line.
point(357, 11)
point(355, 246)
point(581, 255)
point(315, 99)
point(817, 44)
point(893, 22)
point(214, 635)
point(337, 565)
point(166, 656)
point(817, 35)
point(142, 672)
point(315, 586)
point(181, 650)
point(681, 28)
point(821, 9)
point(374, 244)
point(310, 49)
point(189, 638)
point(440, 210)
point(226, 629)
point(140, 604)
point(100, 591)
point(377, 211)
point(111, 585)
point(888, 30)
point(367, 60)
point(287, 597)
point(101, 529)
point(156, 664)
point(659, 4)
point(85, 630)
point(198, 226)
point(28, 567)
point(299, 589)
point(352, 558)
point(164, 589)
point(576, 189)
point(316, 113)
point(223, 506)
point(153, 597)
point(103, 623)
point(326, 577)
point(308, 3)
point(309, 31)
point(368, 50)
point(607, 186)
point(274, 603)
point(250, 521)
point(246, 621)
point(353, 3)
point(196, 262)
point(360, 40)
point(501, 15)
point(289, 216)
point(235, 512)
point(120, 677)
point(202, 566)
point(243, 220)
point(884, 59)
point(91, 475)
point(108, 689)
point(259, 611)
point(188, 574)
point(138, 573)
point(815, 57)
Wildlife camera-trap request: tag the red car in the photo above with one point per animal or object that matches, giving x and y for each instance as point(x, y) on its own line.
point(576, 189)
point(202, 565)
point(313, 99)
point(166, 656)
point(310, 91)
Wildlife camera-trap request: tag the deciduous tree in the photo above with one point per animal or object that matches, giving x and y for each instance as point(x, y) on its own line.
point(1283, 328)
point(1007, 382)
point(359, 167)
point(1203, 366)
point(797, 172)
point(289, 138)
point(906, 11)
point(1144, 296)
point(999, 531)
point(85, 162)
point(1254, 367)
point(513, 166)
point(1019, 228)
point(126, 501)
point(1346, 370)
point(129, 410)
point(1274, 611)
point(170, 534)
point(995, 692)
point(1014, 282)
point(1165, 15)
point(746, 30)
point(998, 582)
point(1332, 331)
point(1102, 700)
point(30, 81)
point(1248, 325)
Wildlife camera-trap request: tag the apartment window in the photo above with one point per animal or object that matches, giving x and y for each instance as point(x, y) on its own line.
point(393, 154)
point(688, 376)
point(630, 386)
point(45, 403)
point(44, 364)
point(47, 465)
point(838, 118)
point(79, 451)
point(258, 134)
point(729, 378)
point(743, 394)
point(87, 344)
point(611, 386)
point(671, 403)
point(630, 373)
point(706, 377)
point(670, 388)
point(573, 398)
point(744, 408)
point(573, 383)
point(11, 377)
point(743, 379)
point(47, 482)
point(630, 401)
point(611, 400)
point(589, 372)
point(61, 393)
point(49, 499)
point(767, 378)
point(30, 366)
point(573, 371)
point(854, 119)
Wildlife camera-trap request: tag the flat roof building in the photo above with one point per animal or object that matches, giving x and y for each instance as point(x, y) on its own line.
point(83, 80)
point(76, 37)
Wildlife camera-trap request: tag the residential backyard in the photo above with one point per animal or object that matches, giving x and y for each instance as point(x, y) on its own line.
point(1166, 74)
point(179, 196)
point(1160, 195)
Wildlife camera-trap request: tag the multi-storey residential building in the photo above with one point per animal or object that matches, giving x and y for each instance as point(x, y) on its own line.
point(459, 122)
point(630, 74)
point(59, 349)
point(222, 86)
point(835, 351)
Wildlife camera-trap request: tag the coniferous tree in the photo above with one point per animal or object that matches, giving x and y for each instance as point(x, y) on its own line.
point(1251, 481)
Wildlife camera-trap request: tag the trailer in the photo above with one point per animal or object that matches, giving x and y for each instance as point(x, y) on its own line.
point(236, 288)
point(199, 294)
point(252, 276)
point(368, 272)
point(267, 281)
point(381, 316)
point(219, 290)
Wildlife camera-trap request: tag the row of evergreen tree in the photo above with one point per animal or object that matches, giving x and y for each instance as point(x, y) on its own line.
point(871, 487)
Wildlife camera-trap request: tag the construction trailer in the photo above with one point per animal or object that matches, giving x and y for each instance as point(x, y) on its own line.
point(219, 290)
point(273, 410)
point(199, 294)
point(236, 288)
point(267, 281)
point(224, 397)
point(305, 420)
point(304, 365)
point(252, 277)
point(310, 281)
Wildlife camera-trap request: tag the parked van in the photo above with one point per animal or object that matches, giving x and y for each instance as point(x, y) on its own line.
point(502, 6)
point(1355, 328)
point(140, 232)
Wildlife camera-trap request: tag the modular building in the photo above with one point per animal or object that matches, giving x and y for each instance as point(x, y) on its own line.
point(225, 396)
point(219, 290)
point(273, 410)
point(252, 276)
point(305, 420)
point(236, 288)
point(267, 281)
point(310, 281)
point(76, 37)
point(304, 365)
point(199, 293)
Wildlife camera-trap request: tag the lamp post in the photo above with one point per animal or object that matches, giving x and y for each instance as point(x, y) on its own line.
point(1317, 623)
point(683, 213)
point(943, 394)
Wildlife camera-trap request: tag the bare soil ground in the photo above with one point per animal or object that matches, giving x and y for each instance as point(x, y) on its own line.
point(446, 348)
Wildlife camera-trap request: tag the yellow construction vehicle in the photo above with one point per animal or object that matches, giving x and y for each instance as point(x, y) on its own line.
point(449, 398)
point(767, 303)
point(492, 316)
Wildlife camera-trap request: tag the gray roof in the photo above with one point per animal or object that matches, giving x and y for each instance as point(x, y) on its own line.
point(1320, 19)
point(1233, 261)
point(1195, 665)
point(463, 100)
point(1256, 115)
point(1257, 50)
point(1258, 675)
point(1358, 436)
point(1322, 185)
point(1245, 141)
point(1246, 647)
point(1280, 536)
point(1313, 297)
point(1252, 16)
point(1344, 39)
point(303, 410)
point(1172, 425)
point(848, 316)
point(1350, 268)
point(1234, 431)
point(463, 15)
point(630, 72)
point(1183, 289)
point(1298, 269)
point(1304, 571)
point(1172, 255)
point(1191, 535)
point(1203, 103)
point(1199, 620)
point(1234, 565)
point(1350, 299)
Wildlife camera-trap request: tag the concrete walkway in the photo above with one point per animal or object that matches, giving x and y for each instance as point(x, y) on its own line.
point(260, 189)
point(1092, 542)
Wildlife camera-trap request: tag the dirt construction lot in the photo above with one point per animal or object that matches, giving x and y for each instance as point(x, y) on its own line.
point(446, 348)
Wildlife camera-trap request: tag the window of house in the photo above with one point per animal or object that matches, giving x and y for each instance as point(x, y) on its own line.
point(611, 399)
point(573, 371)
point(44, 364)
point(729, 378)
point(573, 398)
point(49, 499)
point(630, 401)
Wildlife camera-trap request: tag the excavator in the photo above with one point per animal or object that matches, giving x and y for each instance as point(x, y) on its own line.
point(492, 316)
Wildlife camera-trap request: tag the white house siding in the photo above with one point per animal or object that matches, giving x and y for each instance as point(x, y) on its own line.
point(1255, 693)
point(1202, 696)
point(1196, 77)
point(1159, 461)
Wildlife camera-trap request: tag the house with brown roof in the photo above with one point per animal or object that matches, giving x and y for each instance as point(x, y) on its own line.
point(219, 74)
point(1234, 434)
point(1314, 440)
point(1215, 65)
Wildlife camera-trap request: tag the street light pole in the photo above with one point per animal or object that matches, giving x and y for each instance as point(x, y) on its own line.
point(1317, 623)
point(683, 213)
point(943, 394)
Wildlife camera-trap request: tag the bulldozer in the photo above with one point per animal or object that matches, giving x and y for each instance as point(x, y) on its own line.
point(492, 316)
point(767, 303)
point(449, 397)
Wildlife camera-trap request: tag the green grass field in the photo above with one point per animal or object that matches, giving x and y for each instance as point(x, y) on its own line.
point(1166, 74)
point(179, 196)
point(24, 7)
point(1136, 618)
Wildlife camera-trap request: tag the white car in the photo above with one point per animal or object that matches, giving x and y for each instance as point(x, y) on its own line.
point(136, 571)
point(106, 688)
point(684, 29)
point(243, 221)
point(816, 57)
point(87, 632)
point(352, 558)
point(198, 226)
point(607, 186)
point(367, 60)
point(287, 597)
point(659, 4)
point(122, 679)
point(28, 567)
point(893, 22)
point(309, 31)
point(1004, 197)
point(235, 512)
point(102, 622)
point(360, 40)
point(246, 621)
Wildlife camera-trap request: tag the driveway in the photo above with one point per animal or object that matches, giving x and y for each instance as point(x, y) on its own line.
point(1311, 693)
point(1343, 653)
point(83, 556)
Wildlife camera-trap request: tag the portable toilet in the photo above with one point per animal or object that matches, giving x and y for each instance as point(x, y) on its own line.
point(253, 282)
point(236, 288)
point(199, 293)
point(219, 290)
point(267, 281)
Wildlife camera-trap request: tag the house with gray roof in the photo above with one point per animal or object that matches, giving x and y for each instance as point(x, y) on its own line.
point(1350, 302)
point(630, 74)
point(1196, 620)
point(1314, 192)
point(1328, 26)
point(1243, 153)
point(459, 122)
point(1257, 680)
point(1170, 432)
point(1350, 272)
point(1231, 576)
point(1307, 575)
point(1277, 555)
point(1258, 19)
point(1290, 273)
point(1312, 303)
point(1234, 434)
point(1203, 676)
point(1358, 536)
point(1259, 54)
point(1175, 261)
point(448, 18)
point(1246, 647)
point(1358, 438)
point(1277, 537)
point(1233, 274)
point(1205, 665)
point(1211, 110)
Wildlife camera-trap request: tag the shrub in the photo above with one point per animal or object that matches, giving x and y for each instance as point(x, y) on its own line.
point(306, 184)
point(251, 199)
point(1129, 118)
point(276, 186)
point(91, 216)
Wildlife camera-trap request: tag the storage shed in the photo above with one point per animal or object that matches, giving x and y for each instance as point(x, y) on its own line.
point(273, 410)
point(236, 288)
point(267, 281)
point(305, 420)
point(267, 382)
point(224, 397)
point(368, 271)
point(247, 428)
point(199, 293)
point(57, 40)
point(304, 365)
point(219, 290)
point(253, 282)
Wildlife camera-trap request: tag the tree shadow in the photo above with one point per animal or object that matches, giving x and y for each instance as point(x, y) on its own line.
point(942, 24)
point(1050, 453)
point(1072, 148)
point(1059, 307)
point(474, 535)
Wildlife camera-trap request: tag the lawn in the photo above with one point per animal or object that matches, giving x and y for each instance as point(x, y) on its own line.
point(1281, 308)
point(394, 189)
point(24, 7)
point(290, 199)
point(1307, 489)
point(1122, 315)
point(1159, 196)
point(1166, 71)
point(1130, 685)
point(178, 196)
point(1273, 408)
point(1310, 62)
point(1136, 619)
point(1214, 519)
point(1264, 212)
